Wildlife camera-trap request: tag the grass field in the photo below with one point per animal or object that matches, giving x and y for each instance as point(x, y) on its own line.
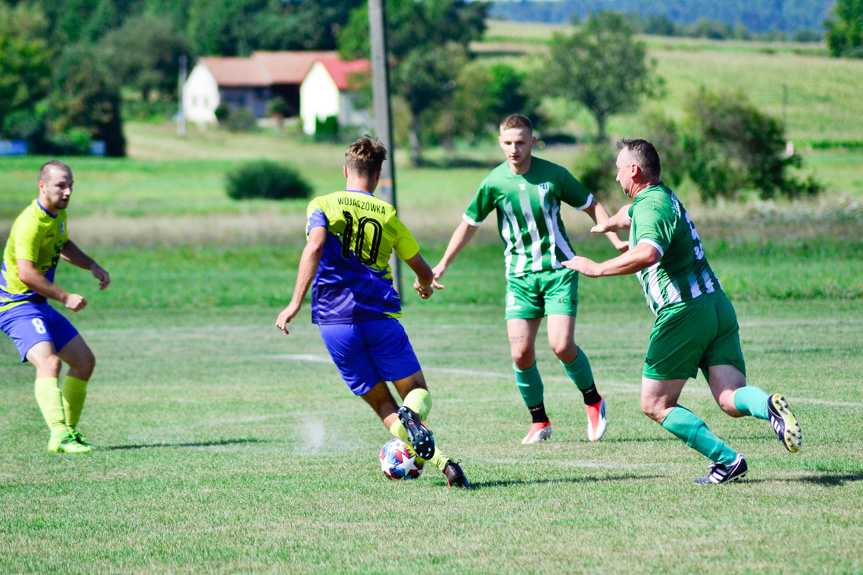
point(228, 447)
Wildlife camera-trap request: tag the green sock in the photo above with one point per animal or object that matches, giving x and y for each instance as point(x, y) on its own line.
point(694, 433)
point(751, 401)
point(579, 371)
point(51, 403)
point(529, 385)
point(74, 394)
point(420, 401)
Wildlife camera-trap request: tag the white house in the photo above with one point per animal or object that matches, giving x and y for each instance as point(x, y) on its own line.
point(246, 82)
point(329, 90)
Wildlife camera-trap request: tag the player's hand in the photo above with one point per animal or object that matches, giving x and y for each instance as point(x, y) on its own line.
point(438, 272)
point(600, 228)
point(75, 302)
point(102, 275)
point(286, 316)
point(583, 266)
point(621, 246)
point(424, 292)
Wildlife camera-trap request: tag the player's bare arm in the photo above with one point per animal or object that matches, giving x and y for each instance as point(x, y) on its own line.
point(461, 237)
point(36, 281)
point(638, 258)
point(76, 256)
point(617, 222)
point(425, 277)
point(309, 262)
point(599, 215)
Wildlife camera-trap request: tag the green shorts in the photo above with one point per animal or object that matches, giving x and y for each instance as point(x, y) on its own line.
point(538, 294)
point(692, 335)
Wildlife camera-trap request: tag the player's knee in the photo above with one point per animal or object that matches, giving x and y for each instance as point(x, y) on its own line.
point(84, 361)
point(566, 351)
point(523, 358)
point(726, 404)
point(652, 409)
point(50, 363)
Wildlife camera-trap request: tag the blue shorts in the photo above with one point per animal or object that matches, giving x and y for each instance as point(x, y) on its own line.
point(30, 323)
point(369, 352)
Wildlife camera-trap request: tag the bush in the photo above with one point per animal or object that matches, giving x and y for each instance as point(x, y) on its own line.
point(75, 142)
point(240, 120)
point(595, 168)
point(268, 180)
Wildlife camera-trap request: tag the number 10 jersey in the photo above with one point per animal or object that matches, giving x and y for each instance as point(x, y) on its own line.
point(354, 282)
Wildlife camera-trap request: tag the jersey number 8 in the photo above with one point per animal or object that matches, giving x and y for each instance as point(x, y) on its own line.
point(362, 224)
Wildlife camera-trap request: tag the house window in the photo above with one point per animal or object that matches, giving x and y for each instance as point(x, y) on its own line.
point(194, 101)
point(206, 102)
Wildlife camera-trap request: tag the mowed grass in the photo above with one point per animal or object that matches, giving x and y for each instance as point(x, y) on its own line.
point(229, 447)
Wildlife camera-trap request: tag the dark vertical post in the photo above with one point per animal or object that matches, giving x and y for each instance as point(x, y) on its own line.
point(181, 115)
point(383, 115)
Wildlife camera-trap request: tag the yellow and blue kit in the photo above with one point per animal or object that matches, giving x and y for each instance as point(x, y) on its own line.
point(25, 316)
point(354, 282)
point(354, 302)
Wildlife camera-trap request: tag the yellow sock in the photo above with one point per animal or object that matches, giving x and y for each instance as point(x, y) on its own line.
point(398, 430)
point(439, 459)
point(51, 403)
point(74, 394)
point(420, 401)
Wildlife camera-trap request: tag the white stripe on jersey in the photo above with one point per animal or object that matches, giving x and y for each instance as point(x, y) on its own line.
point(557, 237)
point(650, 304)
point(515, 235)
point(654, 244)
point(535, 242)
point(470, 221)
point(694, 290)
point(653, 285)
point(708, 283)
point(586, 204)
point(673, 292)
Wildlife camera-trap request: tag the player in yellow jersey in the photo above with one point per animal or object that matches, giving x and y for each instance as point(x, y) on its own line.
point(351, 236)
point(39, 239)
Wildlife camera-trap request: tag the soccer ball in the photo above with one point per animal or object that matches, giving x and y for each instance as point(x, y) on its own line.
point(399, 460)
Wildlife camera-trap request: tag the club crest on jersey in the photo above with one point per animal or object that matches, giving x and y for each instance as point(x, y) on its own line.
point(62, 228)
point(522, 187)
point(545, 187)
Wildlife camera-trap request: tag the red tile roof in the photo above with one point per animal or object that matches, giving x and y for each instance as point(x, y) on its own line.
point(264, 68)
point(341, 71)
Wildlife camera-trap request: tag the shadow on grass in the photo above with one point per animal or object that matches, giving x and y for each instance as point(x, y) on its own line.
point(593, 479)
point(190, 444)
point(829, 479)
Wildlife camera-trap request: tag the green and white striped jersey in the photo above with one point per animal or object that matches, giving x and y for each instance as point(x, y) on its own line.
point(528, 214)
point(682, 273)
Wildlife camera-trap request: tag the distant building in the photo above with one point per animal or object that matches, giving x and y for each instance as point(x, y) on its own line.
point(247, 82)
point(329, 90)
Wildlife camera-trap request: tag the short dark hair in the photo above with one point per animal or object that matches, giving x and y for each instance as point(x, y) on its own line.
point(48, 166)
point(645, 155)
point(365, 156)
point(516, 121)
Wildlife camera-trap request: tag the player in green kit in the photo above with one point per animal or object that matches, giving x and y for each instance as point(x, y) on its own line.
point(527, 194)
point(38, 240)
point(695, 327)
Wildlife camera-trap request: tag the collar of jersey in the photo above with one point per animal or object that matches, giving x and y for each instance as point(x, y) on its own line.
point(360, 192)
point(52, 216)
